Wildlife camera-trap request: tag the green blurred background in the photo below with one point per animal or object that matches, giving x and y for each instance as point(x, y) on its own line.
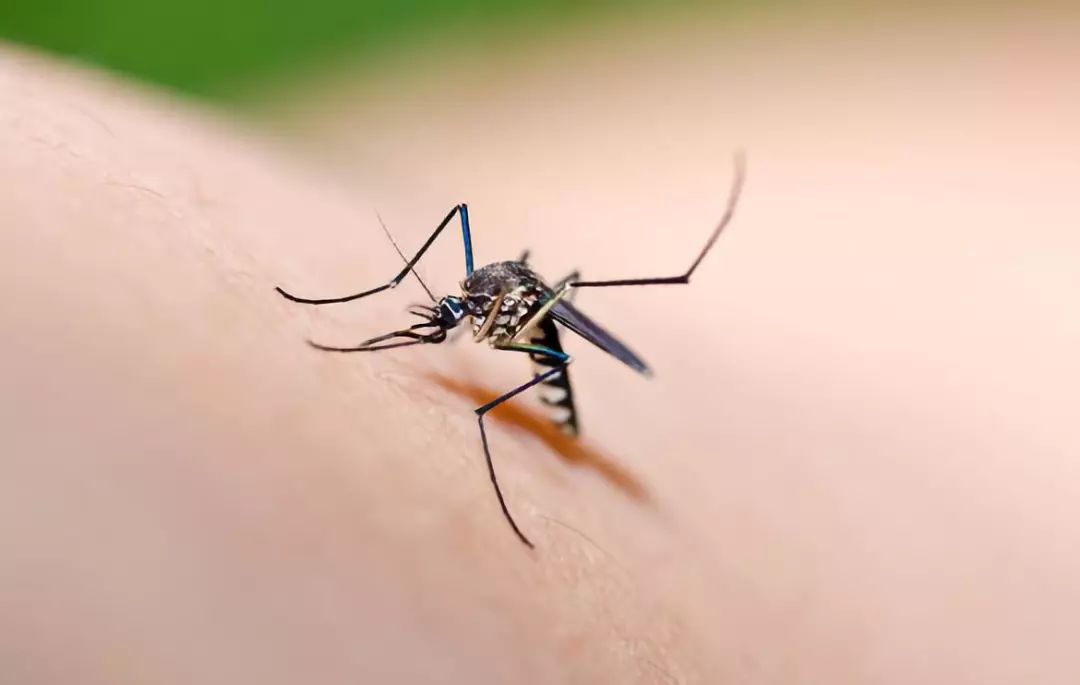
point(222, 49)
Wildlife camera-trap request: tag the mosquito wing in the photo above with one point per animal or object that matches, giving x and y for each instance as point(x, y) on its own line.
point(571, 317)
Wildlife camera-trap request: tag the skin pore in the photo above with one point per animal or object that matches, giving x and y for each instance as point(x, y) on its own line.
point(855, 463)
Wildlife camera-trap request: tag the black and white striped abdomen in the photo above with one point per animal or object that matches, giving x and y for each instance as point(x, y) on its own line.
point(555, 392)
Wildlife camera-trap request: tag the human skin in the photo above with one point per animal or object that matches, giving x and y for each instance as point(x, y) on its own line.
point(856, 462)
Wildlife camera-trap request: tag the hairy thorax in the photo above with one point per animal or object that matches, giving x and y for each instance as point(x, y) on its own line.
point(501, 299)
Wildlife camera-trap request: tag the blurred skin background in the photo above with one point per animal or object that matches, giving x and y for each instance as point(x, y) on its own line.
point(864, 448)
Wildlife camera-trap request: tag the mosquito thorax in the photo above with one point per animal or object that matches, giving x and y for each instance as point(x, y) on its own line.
point(512, 288)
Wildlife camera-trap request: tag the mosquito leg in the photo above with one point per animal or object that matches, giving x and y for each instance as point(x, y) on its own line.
point(545, 351)
point(571, 277)
point(524, 258)
point(533, 348)
point(490, 321)
point(568, 278)
point(481, 411)
point(733, 199)
point(462, 210)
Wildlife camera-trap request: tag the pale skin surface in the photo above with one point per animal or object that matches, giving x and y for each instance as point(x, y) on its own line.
point(857, 461)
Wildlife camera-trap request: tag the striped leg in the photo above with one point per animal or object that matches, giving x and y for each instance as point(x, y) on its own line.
point(562, 362)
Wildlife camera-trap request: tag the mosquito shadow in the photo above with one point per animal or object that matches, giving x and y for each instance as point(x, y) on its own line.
point(571, 450)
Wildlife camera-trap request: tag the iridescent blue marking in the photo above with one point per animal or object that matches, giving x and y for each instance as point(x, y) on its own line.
point(544, 350)
point(467, 235)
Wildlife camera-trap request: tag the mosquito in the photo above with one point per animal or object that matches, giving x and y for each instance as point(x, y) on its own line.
point(511, 307)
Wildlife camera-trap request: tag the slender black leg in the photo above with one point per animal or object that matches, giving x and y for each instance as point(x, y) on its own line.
point(461, 209)
point(733, 199)
point(480, 411)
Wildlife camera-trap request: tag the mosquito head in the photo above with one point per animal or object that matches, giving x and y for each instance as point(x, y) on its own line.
point(450, 310)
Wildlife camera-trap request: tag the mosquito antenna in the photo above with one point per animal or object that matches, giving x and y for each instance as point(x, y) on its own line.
point(404, 258)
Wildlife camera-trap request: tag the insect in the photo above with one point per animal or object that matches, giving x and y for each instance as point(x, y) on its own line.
point(511, 307)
